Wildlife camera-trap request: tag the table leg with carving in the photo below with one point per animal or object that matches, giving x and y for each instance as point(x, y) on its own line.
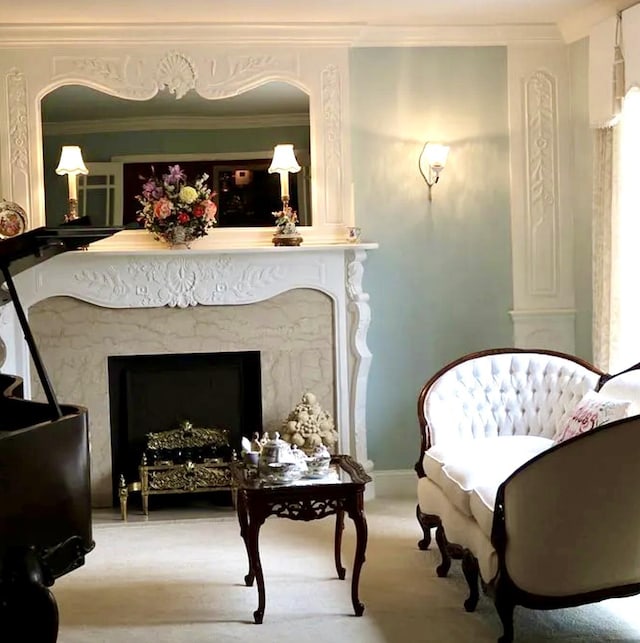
point(255, 522)
point(356, 513)
point(338, 544)
point(241, 509)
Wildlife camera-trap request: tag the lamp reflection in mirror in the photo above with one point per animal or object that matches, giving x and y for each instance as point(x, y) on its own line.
point(71, 164)
point(432, 161)
point(284, 161)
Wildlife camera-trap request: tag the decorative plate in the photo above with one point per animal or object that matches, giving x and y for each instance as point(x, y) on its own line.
point(13, 219)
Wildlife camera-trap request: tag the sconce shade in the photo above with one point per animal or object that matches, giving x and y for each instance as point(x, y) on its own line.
point(71, 161)
point(284, 160)
point(432, 160)
point(435, 155)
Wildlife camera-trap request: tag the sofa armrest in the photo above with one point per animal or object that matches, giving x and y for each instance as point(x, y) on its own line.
point(568, 521)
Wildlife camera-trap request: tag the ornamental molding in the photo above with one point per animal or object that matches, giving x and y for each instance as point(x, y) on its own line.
point(177, 73)
point(360, 319)
point(140, 77)
point(540, 102)
point(333, 161)
point(306, 35)
point(178, 281)
point(18, 130)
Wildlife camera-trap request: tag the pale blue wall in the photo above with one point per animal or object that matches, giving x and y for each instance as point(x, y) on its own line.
point(582, 168)
point(441, 282)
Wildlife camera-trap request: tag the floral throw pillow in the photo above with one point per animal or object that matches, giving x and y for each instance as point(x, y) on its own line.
point(592, 411)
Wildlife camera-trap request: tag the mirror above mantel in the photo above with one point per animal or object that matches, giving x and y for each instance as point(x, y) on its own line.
point(137, 69)
point(231, 140)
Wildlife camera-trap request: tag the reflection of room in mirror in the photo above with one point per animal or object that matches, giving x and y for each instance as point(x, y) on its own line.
point(245, 193)
point(236, 134)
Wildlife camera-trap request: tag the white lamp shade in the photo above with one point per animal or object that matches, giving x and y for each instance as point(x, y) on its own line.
point(435, 155)
point(284, 160)
point(71, 161)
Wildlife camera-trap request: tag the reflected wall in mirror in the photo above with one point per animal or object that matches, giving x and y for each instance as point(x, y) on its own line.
point(231, 139)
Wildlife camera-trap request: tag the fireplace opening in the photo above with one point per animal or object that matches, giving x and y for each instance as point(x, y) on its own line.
point(153, 393)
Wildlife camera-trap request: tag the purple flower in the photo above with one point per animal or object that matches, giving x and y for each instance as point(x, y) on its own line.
point(151, 190)
point(175, 175)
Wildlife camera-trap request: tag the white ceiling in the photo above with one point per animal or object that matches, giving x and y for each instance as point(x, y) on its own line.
point(372, 12)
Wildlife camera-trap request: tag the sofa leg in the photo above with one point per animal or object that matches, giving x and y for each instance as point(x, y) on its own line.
point(471, 573)
point(504, 606)
point(443, 568)
point(426, 521)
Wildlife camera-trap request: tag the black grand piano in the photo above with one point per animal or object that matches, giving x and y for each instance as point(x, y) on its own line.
point(45, 493)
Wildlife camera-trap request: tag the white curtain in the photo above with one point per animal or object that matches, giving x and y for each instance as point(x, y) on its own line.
point(616, 240)
point(603, 193)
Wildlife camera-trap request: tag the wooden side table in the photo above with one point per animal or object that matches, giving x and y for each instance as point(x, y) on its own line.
point(306, 499)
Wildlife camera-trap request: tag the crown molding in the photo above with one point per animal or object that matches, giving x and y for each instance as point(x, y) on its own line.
point(455, 35)
point(186, 122)
point(312, 35)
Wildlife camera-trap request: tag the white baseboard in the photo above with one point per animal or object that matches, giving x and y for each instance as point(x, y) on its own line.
point(395, 483)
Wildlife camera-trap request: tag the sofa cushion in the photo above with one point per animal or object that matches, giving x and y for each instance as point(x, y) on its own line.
point(459, 467)
point(482, 502)
point(593, 410)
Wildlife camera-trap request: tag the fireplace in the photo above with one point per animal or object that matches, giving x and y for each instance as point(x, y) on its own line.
point(304, 310)
point(153, 393)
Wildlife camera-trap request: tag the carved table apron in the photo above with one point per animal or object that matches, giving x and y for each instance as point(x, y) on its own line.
point(304, 500)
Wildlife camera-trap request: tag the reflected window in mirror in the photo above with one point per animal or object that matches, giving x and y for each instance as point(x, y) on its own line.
point(228, 136)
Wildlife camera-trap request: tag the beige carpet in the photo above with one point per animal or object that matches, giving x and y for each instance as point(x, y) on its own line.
point(181, 580)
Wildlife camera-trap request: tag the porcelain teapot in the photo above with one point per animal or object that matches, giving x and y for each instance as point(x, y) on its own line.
point(278, 460)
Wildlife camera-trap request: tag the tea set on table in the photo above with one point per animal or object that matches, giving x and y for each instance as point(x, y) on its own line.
point(278, 462)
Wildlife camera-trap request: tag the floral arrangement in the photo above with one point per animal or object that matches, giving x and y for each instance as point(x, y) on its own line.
point(170, 205)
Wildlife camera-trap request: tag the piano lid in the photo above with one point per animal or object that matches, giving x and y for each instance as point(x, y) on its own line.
point(35, 246)
point(30, 249)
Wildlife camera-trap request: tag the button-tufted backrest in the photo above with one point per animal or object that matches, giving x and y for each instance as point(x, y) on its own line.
point(504, 393)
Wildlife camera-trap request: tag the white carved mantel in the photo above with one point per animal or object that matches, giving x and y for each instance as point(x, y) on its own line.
point(131, 270)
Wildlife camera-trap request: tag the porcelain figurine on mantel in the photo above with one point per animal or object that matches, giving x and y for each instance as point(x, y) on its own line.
point(287, 233)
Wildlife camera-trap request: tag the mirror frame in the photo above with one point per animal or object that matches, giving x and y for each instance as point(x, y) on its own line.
point(137, 70)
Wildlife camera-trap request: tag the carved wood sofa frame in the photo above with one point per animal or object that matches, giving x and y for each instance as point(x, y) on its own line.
point(610, 504)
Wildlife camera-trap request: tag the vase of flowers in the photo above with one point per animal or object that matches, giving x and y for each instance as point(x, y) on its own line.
point(174, 210)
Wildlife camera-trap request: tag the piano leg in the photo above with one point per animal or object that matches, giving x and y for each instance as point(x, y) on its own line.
point(28, 609)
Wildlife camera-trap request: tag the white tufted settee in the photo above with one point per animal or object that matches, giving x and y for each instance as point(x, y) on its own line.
point(513, 504)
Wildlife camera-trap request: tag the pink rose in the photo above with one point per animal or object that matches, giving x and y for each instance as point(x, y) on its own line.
point(162, 208)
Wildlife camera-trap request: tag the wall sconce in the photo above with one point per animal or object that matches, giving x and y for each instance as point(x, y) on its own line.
point(432, 161)
point(71, 164)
